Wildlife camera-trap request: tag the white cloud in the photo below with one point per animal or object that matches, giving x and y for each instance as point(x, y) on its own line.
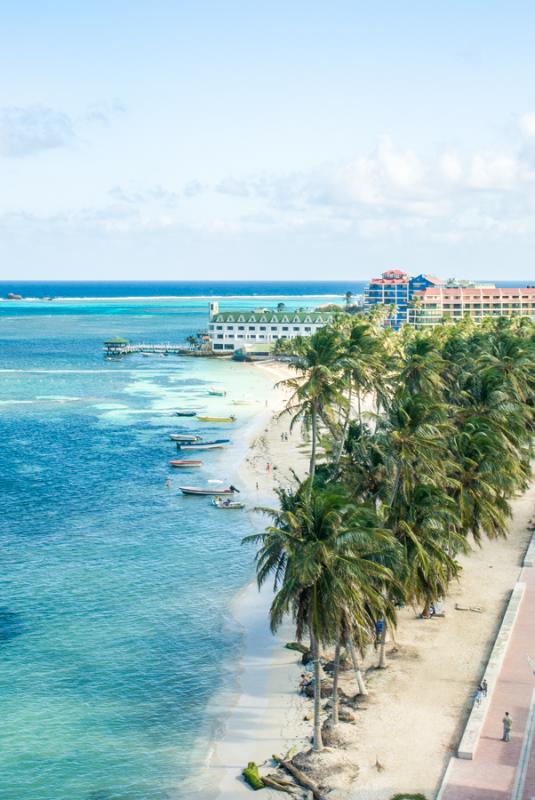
point(527, 125)
point(25, 131)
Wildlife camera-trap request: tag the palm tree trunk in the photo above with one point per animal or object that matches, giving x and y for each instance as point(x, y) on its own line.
point(361, 686)
point(345, 428)
point(382, 646)
point(359, 408)
point(312, 467)
point(336, 673)
point(318, 741)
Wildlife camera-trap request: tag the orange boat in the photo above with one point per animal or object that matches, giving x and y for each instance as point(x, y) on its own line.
point(185, 463)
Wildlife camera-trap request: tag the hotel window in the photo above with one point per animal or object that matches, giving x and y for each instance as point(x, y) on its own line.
point(218, 346)
point(220, 336)
point(275, 337)
point(230, 327)
point(219, 327)
point(240, 336)
point(262, 327)
point(308, 329)
point(252, 328)
point(241, 327)
point(212, 327)
point(273, 327)
point(296, 328)
point(284, 328)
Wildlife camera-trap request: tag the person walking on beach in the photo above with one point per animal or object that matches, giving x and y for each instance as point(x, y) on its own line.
point(484, 688)
point(479, 696)
point(507, 723)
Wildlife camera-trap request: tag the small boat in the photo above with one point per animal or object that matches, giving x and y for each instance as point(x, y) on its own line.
point(207, 491)
point(185, 464)
point(201, 445)
point(232, 418)
point(184, 412)
point(184, 437)
point(245, 402)
point(217, 391)
point(219, 503)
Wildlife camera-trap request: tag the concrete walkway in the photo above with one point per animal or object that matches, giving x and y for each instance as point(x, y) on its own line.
point(501, 770)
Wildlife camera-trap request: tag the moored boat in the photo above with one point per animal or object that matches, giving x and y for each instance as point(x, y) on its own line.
point(184, 437)
point(218, 502)
point(232, 418)
point(217, 391)
point(215, 445)
point(207, 491)
point(185, 463)
point(185, 412)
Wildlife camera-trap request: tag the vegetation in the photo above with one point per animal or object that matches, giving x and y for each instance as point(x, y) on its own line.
point(394, 494)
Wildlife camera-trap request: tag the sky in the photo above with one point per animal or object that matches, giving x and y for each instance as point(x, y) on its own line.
point(230, 139)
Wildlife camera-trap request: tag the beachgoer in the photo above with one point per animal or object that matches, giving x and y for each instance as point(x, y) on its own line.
point(479, 696)
point(484, 688)
point(168, 483)
point(257, 485)
point(507, 723)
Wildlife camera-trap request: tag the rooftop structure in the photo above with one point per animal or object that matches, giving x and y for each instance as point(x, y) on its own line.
point(231, 330)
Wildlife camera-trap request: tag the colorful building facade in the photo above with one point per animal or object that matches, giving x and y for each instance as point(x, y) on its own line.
point(435, 303)
point(395, 290)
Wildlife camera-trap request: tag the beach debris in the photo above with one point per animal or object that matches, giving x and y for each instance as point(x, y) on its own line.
point(302, 779)
point(252, 776)
point(345, 715)
point(275, 781)
point(378, 766)
point(301, 648)
point(475, 609)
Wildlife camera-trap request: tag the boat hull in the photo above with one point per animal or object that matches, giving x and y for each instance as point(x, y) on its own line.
point(206, 492)
point(200, 446)
point(185, 464)
point(186, 413)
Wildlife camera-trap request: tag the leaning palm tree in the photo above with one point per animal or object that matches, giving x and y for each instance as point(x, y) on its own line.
point(321, 553)
point(316, 391)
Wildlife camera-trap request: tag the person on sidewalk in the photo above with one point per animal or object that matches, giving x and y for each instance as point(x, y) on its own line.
point(507, 723)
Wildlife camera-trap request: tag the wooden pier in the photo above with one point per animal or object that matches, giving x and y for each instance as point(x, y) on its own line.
point(118, 347)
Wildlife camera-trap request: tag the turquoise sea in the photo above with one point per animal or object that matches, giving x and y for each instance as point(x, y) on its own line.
point(115, 632)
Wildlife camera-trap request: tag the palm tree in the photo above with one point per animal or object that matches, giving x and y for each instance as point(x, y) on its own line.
point(322, 554)
point(317, 389)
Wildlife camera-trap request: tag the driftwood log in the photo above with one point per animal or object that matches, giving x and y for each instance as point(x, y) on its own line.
point(302, 779)
point(280, 785)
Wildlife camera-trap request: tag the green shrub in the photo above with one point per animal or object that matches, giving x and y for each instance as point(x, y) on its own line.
point(252, 776)
point(405, 796)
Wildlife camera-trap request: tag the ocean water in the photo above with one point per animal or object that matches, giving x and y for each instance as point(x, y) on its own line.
point(115, 631)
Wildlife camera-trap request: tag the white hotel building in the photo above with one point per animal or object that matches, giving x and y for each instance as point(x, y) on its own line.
point(233, 330)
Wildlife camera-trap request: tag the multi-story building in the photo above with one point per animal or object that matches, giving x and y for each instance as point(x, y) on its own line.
point(395, 289)
point(234, 330)
point(435, 303)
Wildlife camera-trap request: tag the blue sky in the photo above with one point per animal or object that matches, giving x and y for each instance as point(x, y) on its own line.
point(294, 140)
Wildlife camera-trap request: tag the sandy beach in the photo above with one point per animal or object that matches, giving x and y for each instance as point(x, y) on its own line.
point(410, 723)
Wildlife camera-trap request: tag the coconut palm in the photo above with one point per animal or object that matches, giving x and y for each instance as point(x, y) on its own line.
point(322, 554)
point(317, 390)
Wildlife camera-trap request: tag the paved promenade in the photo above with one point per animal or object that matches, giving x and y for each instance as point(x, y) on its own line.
point(500, 770)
